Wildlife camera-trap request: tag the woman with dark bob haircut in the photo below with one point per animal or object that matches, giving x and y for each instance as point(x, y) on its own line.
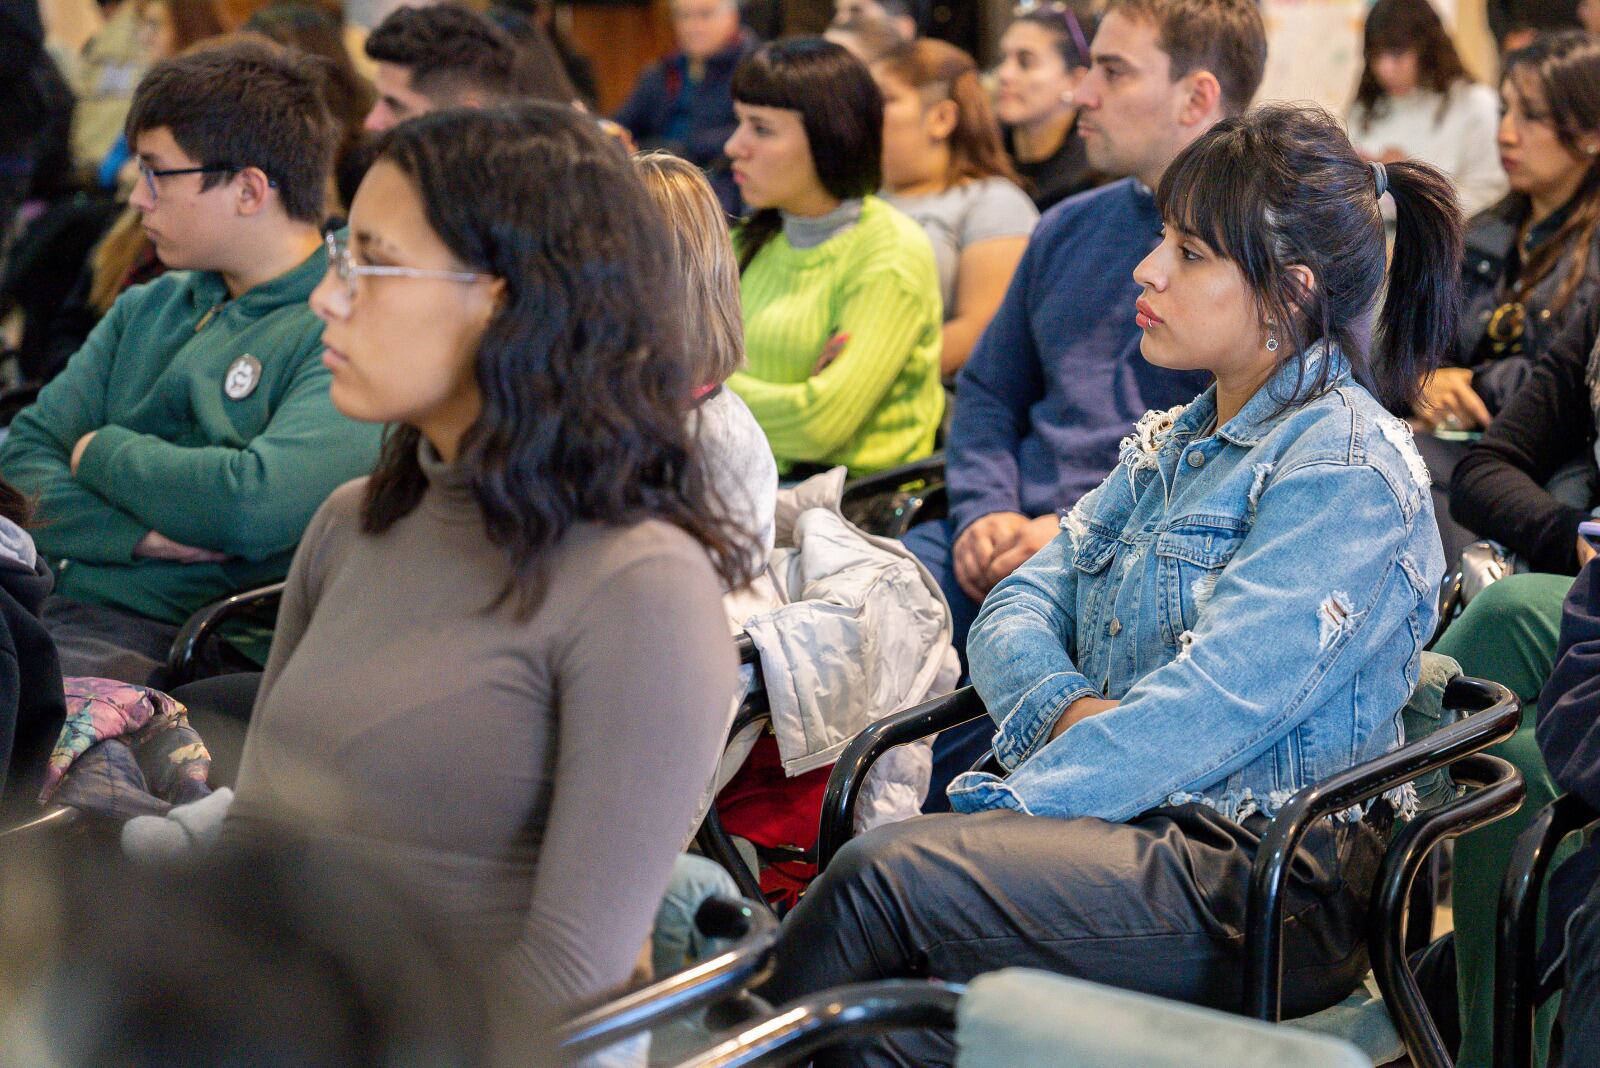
point(501, 660)
point(1236, 613)
point(842, 316)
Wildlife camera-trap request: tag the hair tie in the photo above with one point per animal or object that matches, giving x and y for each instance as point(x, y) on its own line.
point(1380, 177)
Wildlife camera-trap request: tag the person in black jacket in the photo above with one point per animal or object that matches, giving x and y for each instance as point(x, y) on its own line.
point(1528, 484)
point(1507, 487)
point(1532, 262)
point(32, 703)
point(684, 104)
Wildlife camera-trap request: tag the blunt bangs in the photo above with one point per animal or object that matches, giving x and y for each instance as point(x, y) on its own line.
point(1213, 192)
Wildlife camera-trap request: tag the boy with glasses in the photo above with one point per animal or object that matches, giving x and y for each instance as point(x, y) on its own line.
point(182, 451)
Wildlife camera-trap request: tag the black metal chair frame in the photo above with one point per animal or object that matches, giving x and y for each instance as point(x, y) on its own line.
point(1450, 606)
point(912, 493)
point(712, 838)
point(861, 1010)
point(204, 624)
point(50, 820)
point(1496, 790)
point(726, 976)
point(1518, 991)
point(1493, 715)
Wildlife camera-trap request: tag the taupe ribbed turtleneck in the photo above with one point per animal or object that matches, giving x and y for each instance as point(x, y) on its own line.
point(536, 778)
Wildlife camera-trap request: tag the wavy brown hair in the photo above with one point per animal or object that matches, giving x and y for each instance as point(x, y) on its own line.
point(583, 374)
point(940, 71)
point(1565, 69)
point(1407, 26)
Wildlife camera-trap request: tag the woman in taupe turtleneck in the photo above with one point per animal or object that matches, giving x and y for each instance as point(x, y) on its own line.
point(501, 660)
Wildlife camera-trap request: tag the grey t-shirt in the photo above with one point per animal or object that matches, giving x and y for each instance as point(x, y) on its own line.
point(965, 215)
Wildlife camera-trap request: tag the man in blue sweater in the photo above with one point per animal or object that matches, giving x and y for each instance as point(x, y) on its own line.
point(1057, 379)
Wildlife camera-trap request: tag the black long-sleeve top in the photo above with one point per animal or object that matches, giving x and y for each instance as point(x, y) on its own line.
point(1498, 487)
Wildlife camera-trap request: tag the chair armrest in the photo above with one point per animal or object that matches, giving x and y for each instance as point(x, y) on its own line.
point(1494, 716)
point(711, 837)
point(1495, 790)
point(927, 470)
point(1516, 983)
point(1449, 606)
point(796, 1031)
point(747, 649)
point(204, 623)
point(53, 819)
point(891, 502)
point(850, 771)
point(742, 965)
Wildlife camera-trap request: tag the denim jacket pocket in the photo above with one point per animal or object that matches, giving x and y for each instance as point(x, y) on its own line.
point(1192, 555)
point(1092, 551)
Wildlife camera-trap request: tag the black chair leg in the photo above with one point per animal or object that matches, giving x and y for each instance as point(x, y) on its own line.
point(715, 842)
point(1423, 903)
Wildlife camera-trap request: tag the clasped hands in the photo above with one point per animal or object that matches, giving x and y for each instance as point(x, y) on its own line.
point(154, 545)
point(996, 545)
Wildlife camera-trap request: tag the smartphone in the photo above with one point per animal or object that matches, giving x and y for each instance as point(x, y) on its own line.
point(1589, 531)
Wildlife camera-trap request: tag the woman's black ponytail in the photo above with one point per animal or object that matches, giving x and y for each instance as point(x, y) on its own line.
point(1281, 186)
point(1417, 324)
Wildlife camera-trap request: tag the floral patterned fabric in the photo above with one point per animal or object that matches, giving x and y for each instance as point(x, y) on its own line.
point(125, 750)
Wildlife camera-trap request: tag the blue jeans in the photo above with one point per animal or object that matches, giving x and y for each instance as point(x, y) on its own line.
point(954, 751)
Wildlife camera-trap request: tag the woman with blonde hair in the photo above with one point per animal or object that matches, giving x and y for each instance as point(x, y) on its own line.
point(744, 476)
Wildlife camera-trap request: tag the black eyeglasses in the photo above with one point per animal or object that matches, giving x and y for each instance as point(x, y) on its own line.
point(150, 174)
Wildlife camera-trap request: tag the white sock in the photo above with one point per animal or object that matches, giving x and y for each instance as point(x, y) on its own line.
point(187, 829)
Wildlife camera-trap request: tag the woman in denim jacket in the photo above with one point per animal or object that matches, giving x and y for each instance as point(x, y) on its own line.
point(1237, 612)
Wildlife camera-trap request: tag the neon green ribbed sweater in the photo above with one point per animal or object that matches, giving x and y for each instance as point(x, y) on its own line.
point(880, 402)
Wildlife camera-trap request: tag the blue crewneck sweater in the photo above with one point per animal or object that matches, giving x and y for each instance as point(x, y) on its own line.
point(1057, 380)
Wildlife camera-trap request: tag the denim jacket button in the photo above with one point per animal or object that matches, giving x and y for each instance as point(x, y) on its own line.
point(1116, 627)
point(1197, 459)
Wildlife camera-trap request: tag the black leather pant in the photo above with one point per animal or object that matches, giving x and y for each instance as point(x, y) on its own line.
point(1155, 905)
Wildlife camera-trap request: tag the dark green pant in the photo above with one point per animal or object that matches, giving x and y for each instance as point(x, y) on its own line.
point(1507, 634)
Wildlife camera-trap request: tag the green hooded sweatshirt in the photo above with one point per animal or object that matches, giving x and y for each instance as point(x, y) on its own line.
point(236, 464)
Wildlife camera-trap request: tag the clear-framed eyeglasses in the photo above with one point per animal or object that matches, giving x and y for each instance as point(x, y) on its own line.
point(342, 263)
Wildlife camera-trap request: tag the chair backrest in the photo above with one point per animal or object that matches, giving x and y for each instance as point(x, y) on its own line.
point(891, 502)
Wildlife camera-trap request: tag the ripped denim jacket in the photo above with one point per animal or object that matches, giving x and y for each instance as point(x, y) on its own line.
point(1256, 599)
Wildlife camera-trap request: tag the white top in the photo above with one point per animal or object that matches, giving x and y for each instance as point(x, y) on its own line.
point(1458, 138)
point(965, 215)
point(739, 461)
